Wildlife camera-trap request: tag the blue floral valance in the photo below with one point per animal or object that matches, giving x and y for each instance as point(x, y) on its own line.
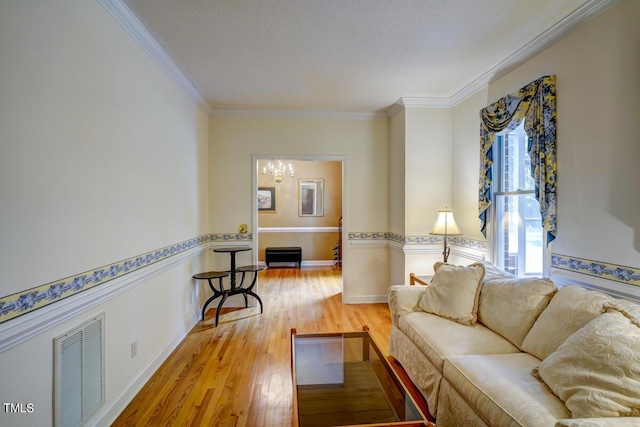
point(536, 105)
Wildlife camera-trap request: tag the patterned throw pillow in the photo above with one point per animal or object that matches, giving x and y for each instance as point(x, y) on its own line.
point(570, 309)
point(596, 370)
point(453, 292)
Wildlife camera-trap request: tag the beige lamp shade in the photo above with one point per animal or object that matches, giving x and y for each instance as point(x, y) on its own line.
point(445, 224)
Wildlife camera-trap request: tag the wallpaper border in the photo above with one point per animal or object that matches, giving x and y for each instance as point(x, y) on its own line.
point(603, 270)
point(29, 300)
point(26, 301)
point(417, 240)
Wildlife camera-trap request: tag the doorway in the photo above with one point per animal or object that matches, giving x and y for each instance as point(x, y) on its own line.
point(302, 206)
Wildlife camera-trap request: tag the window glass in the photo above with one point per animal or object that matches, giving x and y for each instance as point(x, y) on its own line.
point(519, 245)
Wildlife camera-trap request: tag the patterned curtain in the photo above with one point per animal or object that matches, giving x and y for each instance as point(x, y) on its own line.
point(536, 105)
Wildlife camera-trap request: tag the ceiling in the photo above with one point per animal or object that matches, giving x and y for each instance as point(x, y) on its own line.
point(349, 55)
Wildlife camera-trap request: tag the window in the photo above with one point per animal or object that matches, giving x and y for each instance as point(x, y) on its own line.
point(518, 244)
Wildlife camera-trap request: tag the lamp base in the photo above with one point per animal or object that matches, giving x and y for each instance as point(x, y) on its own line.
point(447, 250)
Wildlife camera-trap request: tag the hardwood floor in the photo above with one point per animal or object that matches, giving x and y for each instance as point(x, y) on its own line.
point(239, 374)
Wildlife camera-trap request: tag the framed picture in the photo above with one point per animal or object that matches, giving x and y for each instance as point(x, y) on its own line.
point(266, 199)
point(311, 197)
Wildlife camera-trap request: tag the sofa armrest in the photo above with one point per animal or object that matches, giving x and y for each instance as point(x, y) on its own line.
point(404, 299)
point(599, 422)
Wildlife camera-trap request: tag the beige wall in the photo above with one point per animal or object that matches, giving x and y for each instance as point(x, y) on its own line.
point(316, 245)
point(428, 167)
point(597, 69)
point(102, 158)
point(397, 168)
point(421, 164)
point(287, 195)
point(465, 163)
point(364, 146)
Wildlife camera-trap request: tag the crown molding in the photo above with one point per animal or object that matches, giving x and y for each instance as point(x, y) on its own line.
point(296, 114)
point(418, 102)
point(555, 33)
point(123, 15)
point(132, 25)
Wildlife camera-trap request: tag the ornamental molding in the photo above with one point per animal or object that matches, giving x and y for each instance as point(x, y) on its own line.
point(584, 13)
point(130, 23)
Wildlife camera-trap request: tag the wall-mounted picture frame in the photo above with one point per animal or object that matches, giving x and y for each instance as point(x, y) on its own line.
point(266, 199)
point(311, 197)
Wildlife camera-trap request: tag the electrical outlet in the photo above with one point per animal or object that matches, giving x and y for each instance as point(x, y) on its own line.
point(134, 349)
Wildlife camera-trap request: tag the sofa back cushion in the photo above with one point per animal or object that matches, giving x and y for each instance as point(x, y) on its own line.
point(630, 307)
point(453, 292)
point(491, 271)
point(510, 306)
point(570, 309)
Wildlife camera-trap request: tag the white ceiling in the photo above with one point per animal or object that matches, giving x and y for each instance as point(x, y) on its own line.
point(350, 55)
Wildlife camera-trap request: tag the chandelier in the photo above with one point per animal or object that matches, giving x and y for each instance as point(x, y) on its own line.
point(279, 171)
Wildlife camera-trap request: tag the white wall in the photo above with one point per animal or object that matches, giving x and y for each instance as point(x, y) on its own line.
point(364, 144)
point(597, 68)
point(102, 158)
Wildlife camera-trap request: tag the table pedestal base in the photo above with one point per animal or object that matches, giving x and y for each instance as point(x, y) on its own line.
point(220, 291)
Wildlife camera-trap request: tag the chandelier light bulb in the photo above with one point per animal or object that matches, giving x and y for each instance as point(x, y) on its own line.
point(279, 172)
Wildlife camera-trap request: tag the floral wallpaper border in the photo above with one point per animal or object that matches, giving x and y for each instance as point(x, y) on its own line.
point(617, 273)
point(418, 240)
point(12, 306)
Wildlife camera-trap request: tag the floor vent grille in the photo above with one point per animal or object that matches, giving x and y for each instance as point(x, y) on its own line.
point(79, 373)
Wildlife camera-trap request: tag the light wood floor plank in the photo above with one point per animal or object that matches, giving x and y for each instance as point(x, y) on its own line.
point(239, 374)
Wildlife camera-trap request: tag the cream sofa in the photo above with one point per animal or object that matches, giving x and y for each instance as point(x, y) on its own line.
point(527, 345)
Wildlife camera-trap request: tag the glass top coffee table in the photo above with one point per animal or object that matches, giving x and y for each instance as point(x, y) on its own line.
point(342, 379)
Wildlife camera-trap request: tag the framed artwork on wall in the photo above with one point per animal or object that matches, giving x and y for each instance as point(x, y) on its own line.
point(266, 199)
point(311, 197)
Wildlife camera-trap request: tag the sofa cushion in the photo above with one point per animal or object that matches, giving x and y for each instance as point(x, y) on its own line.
point(453, 292)
point(596, 371)
point(439, 338)
point(632, 308)
point(510, 306)
point(501, 389)
point(570, 309)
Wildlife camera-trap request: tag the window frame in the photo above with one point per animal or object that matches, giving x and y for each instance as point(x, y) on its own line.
point(497, 192)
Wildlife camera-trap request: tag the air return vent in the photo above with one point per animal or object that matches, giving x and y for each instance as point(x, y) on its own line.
point(79, 373)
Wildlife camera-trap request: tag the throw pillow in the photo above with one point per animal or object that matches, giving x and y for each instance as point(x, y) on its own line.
point(570, 309)
point(510, 306)
point(453, 292)
point(595, 371)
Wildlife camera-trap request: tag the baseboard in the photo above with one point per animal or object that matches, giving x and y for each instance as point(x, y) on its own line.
point(308, 263)
point(109, 415)
point(367, 299)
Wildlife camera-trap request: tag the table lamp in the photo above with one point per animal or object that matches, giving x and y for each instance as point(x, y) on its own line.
point(445, 226)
